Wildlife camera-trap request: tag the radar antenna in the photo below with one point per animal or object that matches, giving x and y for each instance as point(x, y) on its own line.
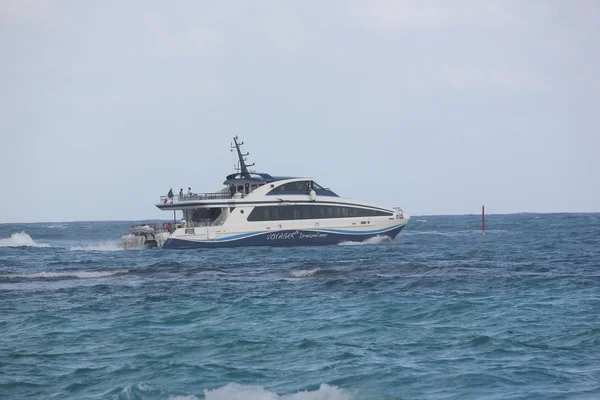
point(243, 167)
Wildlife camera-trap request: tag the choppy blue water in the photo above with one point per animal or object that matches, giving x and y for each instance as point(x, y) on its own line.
point(439, 313)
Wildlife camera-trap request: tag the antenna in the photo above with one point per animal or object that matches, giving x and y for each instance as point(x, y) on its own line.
point(243, 167)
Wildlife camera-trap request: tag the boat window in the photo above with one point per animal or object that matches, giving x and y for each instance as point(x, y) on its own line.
point(275, 213)
point(328, 212)
point(286, 213)
point(305, 212)
point(200, 215)
point(337, 212)
point(299, 187)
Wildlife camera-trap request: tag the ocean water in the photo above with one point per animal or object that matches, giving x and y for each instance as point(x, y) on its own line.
point(441, 312)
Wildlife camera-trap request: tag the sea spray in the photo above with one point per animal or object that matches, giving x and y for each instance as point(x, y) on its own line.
point(20, 239)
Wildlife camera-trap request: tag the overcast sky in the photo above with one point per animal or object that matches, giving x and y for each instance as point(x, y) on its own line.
point(437, 107)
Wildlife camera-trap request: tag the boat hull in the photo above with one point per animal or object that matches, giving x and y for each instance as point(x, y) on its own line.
point(295, 237)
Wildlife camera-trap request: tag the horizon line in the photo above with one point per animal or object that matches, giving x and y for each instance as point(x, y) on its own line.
point(414, 215)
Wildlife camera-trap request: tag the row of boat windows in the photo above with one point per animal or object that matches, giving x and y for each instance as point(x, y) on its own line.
point(279, 213)
point(300, 187)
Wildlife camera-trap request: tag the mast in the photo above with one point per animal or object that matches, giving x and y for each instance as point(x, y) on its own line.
point(241, 158)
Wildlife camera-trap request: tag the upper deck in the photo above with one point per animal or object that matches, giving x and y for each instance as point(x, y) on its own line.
point(195, 197)
point(243, 183)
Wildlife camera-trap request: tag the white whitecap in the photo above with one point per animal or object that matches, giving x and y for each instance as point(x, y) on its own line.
point(66, 274)
point(380, 239)
point(103, 246)
point(234, 391)
point(300, 273)
point(20, 239)
point(54, 226)
point(190, 397)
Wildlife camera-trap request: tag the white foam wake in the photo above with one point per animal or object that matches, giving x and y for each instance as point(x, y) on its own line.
point(301, 273)
point(136, 242)
point(380, 239)
point(233, 391)
point(104, 246)
point(161, 238)
point(20, 239)
point(66, 274)
point(132, 242)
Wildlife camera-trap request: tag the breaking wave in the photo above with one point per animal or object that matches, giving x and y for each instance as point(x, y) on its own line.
point(234, 391)
point(20, 239)
point(66, 274)
point(380, 239)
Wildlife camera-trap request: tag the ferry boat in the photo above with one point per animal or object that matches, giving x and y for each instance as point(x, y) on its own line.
point(258, 209)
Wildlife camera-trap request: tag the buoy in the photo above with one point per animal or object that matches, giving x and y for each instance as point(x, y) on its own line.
point(483, 220)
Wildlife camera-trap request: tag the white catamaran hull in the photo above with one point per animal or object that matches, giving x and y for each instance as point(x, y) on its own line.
point(317, 232)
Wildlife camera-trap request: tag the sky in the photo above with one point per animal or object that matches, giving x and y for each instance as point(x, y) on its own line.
point(434, 106)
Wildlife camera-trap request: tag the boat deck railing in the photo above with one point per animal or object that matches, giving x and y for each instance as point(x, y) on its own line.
point(195, 196)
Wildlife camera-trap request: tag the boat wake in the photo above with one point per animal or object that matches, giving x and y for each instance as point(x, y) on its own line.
point(234, 391)
point(374, 240)
point(20, 239)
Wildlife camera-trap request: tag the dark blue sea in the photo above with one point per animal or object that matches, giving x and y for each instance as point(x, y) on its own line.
point(441, 312)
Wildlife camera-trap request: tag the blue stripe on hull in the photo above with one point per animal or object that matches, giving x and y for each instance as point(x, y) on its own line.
point(281, 238)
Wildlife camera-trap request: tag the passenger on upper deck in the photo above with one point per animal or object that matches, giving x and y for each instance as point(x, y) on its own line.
point(181, 194)
point(190, 192)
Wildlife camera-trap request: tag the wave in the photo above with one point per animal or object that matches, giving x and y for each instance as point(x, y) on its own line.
point(20, 239)
point(234, 391)
point(66, 274)
point(104, 246)
point(301, 273)
point(379, 239)
point(190, 397)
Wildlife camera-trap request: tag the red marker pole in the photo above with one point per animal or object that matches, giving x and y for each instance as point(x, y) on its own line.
point(483, 220)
